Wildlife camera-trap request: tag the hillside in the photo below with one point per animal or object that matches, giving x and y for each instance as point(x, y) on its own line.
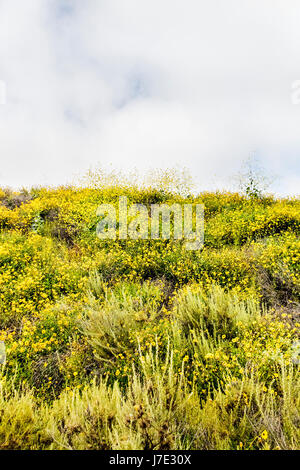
point(142, 344)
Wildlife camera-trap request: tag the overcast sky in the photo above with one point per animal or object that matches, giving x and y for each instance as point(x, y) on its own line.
point(140, 83)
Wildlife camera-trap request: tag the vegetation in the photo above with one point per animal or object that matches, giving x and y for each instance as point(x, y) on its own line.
point(142, 344)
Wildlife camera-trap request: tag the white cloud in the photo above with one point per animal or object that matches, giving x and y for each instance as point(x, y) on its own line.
point(137, 83)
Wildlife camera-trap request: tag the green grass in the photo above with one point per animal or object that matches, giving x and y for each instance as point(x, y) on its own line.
point(144, 344)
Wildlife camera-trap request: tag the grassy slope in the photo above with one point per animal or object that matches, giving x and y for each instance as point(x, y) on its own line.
point(143, 344)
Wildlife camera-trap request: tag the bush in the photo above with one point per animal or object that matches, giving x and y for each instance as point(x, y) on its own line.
point(130, 344)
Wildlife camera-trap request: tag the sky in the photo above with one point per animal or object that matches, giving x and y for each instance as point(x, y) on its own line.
point(140, 84)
